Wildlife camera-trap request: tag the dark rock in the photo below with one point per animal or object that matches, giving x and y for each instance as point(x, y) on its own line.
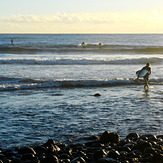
point(137, 152)
point(28, 156)
point(123, 142)
point(65, 156)
point(125, 161)
point(49, 143)
point(78, 159)
point(160, 137)
point(40, 149)
point(77, 146)
point(158, 157)
point(133, 160)
point(81, 154)
point(127, 149)
point(147, 157)
point(94, 143)
point(150, 150)
point(142, 145)
point(144, 138)
point(25, 150)
point(67, 151)
point(53, 148)
point(146, 135)
point(6, 161)
point(102, 149)
point(16, 160)
point(30, 161)
point(131, 155)
point(8, 153)
point(130, 145)
point(97, 94)
point(153, 138)
point(107, 160)
point(123, 153)
point(99, 154)
point(160, 142)
point(50, 159)
point(154, 144)
point(132, 136)
point(113, 154)
point(64, 161)
point(2, 156)
point(108, 137)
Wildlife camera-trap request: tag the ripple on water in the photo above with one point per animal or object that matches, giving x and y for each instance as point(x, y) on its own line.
point(43, 115)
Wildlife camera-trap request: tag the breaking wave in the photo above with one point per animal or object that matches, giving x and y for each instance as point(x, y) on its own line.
point(81, 61)
point(75, 48)
point(10, 84)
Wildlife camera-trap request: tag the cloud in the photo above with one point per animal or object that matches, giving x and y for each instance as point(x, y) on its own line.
point(21, 19)
point(85, 22)
point(96, 18)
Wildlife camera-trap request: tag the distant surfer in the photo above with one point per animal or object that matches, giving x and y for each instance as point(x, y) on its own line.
point(144, 72)
point(83, 44)
point(100, 44)
point(12, 41)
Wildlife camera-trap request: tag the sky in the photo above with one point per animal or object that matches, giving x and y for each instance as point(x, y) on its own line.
point(81, 16)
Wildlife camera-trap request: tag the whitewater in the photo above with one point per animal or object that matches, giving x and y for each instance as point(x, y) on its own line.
point(48, 82)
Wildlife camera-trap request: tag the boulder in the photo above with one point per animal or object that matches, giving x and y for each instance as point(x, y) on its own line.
point(132, 136)
point(25, 150)
point(109, 137)
point(99, 154)
point(50, 159)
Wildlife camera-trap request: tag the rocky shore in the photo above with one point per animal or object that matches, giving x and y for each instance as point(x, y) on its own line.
point(104, 148)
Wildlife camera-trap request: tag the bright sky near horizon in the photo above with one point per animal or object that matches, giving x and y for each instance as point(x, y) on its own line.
point(81, 16)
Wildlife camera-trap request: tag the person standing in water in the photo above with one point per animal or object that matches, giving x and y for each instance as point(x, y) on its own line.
point(146, 77)
point(12, 41)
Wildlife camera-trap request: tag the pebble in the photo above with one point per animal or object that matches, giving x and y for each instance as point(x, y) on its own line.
point(103, 148)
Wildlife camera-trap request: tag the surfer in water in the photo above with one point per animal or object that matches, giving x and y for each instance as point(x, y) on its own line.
point(12, 42)
point(146, 76)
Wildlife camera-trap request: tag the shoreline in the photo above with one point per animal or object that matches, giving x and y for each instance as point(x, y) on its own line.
point(102, 148)
point(116, 116)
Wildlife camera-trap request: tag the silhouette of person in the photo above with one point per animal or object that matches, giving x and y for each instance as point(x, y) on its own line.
point(12, 41)
point(146, 77)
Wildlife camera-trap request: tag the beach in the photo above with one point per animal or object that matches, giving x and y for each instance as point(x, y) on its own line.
point(48, 85)
point(105, 147)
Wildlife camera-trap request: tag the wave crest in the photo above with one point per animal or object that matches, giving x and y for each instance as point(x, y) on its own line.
point(7, 84)
point(81, 61)
point(75, 48)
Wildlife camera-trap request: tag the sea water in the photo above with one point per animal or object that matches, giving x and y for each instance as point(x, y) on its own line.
point(48, 82)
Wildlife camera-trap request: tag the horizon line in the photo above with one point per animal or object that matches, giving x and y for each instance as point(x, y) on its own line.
point(71, 33)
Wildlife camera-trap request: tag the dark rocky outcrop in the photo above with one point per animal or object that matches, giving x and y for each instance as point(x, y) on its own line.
point(104, 148)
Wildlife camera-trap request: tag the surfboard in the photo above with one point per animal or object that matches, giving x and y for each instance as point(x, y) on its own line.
point(141, 73)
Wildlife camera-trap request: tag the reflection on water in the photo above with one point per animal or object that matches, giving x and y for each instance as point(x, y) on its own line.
point(63, 114)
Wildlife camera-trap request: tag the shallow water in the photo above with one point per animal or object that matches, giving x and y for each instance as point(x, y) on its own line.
point(34, 116)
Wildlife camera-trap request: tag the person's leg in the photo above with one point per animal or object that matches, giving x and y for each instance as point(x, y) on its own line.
point(146, 86)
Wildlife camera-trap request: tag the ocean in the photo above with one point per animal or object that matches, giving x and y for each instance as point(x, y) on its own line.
point(48, 83)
